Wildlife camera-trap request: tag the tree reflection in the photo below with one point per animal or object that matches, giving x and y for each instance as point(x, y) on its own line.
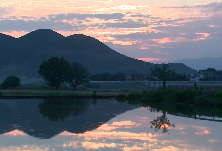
point(58, 109)
point(163, 122)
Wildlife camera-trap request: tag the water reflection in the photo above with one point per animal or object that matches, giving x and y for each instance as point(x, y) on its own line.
point(108, 125)
point(201, 113)
point(163, 122)
point(59, 109)
point(47, 118)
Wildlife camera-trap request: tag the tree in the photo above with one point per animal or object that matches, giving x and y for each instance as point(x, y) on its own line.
point(106, 76)
point(11, 82)
point(163, 122)
point(78, 75)
point(55, 71)
point(162, 73)
point(59, 109)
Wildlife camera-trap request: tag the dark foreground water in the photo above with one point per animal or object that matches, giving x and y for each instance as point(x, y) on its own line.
point(86, 124)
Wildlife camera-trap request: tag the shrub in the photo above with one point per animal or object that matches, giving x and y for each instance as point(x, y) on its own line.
point(156, 95)
point(10, 82)
point(132, 96)
point(218, 95)
point(207, 102)
point(94, 93)
point(121, 98)
point(186, 96)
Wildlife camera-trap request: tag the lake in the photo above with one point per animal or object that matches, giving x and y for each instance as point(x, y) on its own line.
point(103, 124)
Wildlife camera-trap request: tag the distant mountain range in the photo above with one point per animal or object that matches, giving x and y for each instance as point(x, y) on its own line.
point(202, 63)
point(22, 56)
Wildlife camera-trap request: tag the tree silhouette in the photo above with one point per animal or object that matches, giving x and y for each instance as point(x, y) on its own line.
point(54, 71)
point(163, 122)
point(78, 75)
point(10, 82)
point(58, 109)
point(162, 73)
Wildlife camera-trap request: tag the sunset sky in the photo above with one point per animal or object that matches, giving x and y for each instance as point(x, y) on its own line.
point(156, 31)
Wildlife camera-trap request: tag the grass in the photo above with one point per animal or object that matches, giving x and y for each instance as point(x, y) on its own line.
point(186, 97)
point(59, 93)
point(194, 104)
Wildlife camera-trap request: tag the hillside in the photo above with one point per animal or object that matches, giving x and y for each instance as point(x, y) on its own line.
point(22, 56)
point(202, 63)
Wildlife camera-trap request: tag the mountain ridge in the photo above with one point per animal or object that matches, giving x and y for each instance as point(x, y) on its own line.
point(202, 63)
point(22, 56)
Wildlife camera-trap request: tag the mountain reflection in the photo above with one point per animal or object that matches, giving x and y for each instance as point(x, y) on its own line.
point(59, 109)
point(47, 118)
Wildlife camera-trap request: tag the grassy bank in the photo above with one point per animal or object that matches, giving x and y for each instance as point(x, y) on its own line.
point(188, 103)
point(185, 97)
point(58, 93)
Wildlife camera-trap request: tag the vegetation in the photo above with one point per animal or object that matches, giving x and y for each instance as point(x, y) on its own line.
point(168, 101)
point(78, 75)
point(54, 71)
point(186, 97)
point(177, 77)
point(11, 82)
point(59, 109)
point(57, 70)
point(162, 73)
point(106, 76)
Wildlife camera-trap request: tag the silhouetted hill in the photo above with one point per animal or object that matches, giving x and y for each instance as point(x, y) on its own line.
point(202, 63)
point(22, 56)
point(39, 38)
point(24, 115)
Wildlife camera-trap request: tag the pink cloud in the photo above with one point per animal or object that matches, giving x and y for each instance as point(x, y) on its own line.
point(213, 26)
point(151, 59)
point(168, 40)
point(202, 36)
point(158, 52)
point(16, 34)
point(201, 130)
point(16, 133)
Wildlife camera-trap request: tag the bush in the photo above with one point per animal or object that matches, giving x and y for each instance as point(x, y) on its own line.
point(1, 93)
point(186, 96)
point(132, 96)
point(121, 98)
point(207, 102)
point(218, 95)
point(10, 82)
point(94, 93)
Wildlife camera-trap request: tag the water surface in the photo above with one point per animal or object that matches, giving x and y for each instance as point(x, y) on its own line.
point(105, 124)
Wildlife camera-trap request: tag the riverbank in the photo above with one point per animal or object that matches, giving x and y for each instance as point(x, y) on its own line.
point(88, 93)
point(184, 97)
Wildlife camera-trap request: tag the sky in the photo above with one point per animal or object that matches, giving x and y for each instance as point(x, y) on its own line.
point(154, 31)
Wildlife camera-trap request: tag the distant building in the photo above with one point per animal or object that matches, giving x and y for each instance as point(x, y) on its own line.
point(210, 74)
point(196, 77)
point(135, 77)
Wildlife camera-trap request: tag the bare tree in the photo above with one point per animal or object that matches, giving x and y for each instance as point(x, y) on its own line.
point(162, 73)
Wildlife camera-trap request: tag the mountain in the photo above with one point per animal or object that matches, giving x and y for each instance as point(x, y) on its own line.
point(202, 63)
point(25, 116)
point(22, 56)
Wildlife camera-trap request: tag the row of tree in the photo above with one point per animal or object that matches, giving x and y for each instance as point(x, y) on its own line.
point(106, 76)
point(56, 71)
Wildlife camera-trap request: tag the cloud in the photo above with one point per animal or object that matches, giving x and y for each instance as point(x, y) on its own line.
point(151, 59)
point(6, 10)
